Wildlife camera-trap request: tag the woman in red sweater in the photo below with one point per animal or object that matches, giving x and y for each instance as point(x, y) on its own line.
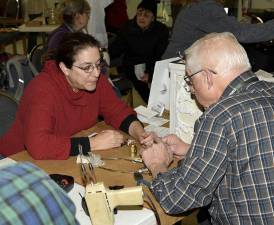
point(65, 98)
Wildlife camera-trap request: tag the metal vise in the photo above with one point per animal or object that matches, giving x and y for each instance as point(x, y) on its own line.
point(101, 201)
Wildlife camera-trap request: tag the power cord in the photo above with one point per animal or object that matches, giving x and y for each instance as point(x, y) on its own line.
point(153, 208)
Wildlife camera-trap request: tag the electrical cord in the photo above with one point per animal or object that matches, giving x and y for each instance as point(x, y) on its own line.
point(141, 170)
point(153, 208)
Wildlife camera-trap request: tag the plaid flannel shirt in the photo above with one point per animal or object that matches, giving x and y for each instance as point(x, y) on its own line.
point(230, 162)
point(29, 197)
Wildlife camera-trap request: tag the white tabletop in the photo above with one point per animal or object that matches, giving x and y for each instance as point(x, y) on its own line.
point(39, 29)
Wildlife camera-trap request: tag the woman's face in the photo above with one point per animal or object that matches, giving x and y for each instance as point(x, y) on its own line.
point(81, 21)
point(144, 18)
point(85, 70)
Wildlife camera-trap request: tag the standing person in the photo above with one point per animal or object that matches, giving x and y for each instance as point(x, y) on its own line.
point(96, 24)
point(75, 15)
point(67, 97)
point(229, 164)
point(116, 16)
point(141, 41)
point(201, 17)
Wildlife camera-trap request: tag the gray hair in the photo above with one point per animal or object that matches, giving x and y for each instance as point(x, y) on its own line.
point(221, 50)
point(68, 9)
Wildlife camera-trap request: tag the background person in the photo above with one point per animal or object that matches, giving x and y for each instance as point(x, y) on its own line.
point(141, 41)
point(201, 17)
point(75, 16)
point(65, 98)
point(229, 164)
point(28, 196)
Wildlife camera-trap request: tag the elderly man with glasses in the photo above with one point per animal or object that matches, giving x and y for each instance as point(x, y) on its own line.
point(229, 164)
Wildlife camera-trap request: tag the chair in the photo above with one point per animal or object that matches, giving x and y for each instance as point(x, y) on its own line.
point(35, 58)
point(8, 107)
point(19, 75)
point(13, 9)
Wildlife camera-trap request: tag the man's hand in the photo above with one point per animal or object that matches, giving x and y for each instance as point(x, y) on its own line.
point(178, 147)
point(157, 158)
point(148, 138)
point(106, 139)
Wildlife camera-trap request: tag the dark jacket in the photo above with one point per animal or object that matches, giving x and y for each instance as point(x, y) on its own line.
point(140, 46)
point(207, 16)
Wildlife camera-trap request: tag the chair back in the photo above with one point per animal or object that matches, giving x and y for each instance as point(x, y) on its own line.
point(19, 75)
point(36, 58)
point(8, 108)
point(13, 9)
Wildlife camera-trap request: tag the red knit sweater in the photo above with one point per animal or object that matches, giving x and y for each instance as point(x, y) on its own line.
point(50, 113)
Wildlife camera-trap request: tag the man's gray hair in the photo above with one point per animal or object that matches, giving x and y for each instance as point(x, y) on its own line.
point(221, 50)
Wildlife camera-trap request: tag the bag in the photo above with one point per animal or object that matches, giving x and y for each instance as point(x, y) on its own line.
point(19, 74)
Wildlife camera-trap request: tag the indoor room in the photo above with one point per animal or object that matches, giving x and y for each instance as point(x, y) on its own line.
point(136, 112)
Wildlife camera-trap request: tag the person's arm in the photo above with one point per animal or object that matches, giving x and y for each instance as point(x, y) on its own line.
point(39, 120)
point(191, 184)
point(38, 199)
point(219, 21)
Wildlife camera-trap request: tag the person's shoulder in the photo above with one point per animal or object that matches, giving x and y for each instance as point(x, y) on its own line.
point(42, 83)
point(56, 36)
point(201, 6)
point(160, 26)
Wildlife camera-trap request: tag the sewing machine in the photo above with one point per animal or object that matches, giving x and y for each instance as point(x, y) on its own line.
point(101, 201)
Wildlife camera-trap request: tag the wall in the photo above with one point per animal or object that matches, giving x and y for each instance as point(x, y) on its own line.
point(262, 4)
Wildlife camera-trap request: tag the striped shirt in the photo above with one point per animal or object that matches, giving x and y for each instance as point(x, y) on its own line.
point(229, 165)
point(29, 197)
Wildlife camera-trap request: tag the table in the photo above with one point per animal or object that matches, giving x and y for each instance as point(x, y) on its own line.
point(11, 38)
point(69, 167)
point(44, 28)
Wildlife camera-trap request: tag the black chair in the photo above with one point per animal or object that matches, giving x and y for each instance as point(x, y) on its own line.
point(8, 107)
point(35, 58)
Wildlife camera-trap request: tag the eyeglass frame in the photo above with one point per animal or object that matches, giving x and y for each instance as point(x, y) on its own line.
point(91, 66)
point(187, 78)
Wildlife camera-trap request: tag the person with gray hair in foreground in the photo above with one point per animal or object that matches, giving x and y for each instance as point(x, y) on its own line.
point(229, 164)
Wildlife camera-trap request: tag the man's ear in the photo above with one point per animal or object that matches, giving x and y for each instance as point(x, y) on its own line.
point(64, 69)
point(209, 79)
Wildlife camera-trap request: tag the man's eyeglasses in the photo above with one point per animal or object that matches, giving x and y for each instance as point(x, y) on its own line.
point(89, 68)
point(188, 80)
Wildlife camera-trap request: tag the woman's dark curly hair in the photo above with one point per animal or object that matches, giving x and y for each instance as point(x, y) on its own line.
point(71, 44)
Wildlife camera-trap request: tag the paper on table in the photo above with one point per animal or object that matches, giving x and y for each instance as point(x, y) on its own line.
point(146, 112)
point(160, 131)
point(156, 121)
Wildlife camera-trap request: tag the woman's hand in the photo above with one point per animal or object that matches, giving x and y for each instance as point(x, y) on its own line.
point(106, 139)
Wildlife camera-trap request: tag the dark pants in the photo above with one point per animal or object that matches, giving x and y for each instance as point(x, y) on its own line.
point(141, 87)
